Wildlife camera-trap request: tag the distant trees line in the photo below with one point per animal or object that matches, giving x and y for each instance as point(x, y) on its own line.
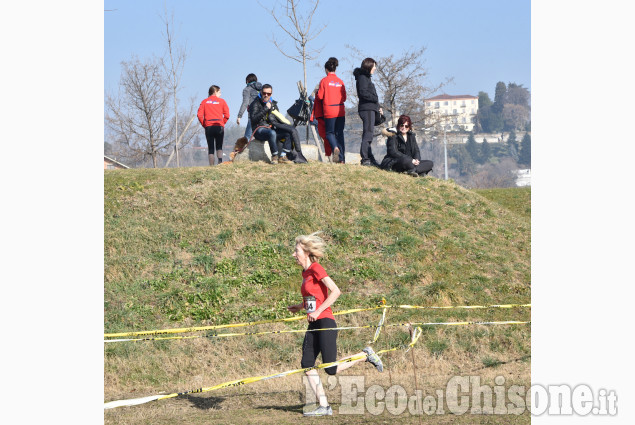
point(486, 165)
point(510, 110)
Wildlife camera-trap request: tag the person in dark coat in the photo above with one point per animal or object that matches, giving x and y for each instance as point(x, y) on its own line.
point(268, 127)
point(402, 151)
point(367, 107)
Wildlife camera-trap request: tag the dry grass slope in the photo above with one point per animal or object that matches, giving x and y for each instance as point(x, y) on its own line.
point(213, 245)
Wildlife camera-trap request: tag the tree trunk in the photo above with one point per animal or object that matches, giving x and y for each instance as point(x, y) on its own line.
point(176, 127)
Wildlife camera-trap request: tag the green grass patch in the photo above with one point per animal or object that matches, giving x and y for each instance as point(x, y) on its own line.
point(200, 246)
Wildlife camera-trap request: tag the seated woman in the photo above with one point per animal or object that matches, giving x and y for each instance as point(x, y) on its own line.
point(402, 152)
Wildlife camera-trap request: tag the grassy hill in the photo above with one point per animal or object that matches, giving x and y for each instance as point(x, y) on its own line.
point(213, 245)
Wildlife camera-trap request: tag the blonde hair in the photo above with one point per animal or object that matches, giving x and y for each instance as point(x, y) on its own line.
point(313, 245)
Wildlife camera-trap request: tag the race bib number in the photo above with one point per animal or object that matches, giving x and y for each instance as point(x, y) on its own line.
point(309, 304)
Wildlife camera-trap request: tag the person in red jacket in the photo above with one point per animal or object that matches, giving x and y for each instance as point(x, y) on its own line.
point(213, 114)
point(332, 95)
point(317, 119)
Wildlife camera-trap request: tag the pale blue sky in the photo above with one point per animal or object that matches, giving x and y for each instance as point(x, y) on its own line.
point(478, 43)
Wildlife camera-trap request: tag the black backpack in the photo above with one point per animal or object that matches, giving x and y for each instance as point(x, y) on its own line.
point(299, 111)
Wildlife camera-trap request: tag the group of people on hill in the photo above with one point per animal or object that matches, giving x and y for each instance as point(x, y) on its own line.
point(265, 122)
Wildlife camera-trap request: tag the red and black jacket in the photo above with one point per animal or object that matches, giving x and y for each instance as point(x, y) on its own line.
point(213, 111)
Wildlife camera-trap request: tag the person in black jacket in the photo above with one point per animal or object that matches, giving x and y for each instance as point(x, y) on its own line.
point(367, 106)
point(402, 152)
point(258, 113)
point(268, 128)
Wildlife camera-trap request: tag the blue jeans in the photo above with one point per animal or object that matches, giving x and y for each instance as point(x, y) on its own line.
point(335, 134)
point(248, 130)
point(269, 135)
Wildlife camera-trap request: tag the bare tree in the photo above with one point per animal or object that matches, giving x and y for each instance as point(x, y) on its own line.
point(138, 116)
point(502, 174)
point(187, 124)
point(401, 85)
point(173, 63)
point(297, 26)
point(515, 116)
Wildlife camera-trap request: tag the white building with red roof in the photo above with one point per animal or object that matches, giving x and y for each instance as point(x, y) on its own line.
point(455, 112)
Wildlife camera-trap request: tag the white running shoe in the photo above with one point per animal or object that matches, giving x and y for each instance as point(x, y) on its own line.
point(320, 411)
point(373, 358)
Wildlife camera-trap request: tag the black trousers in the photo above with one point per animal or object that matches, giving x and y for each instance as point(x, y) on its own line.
point(405, 164)
point(324, 342)
point(368, 127)
point(214, 135)
point(291, 136)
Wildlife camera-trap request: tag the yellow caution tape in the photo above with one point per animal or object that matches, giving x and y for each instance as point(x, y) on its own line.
point(296, 318)
point(231, 325)
point(381, 323)
point(414, 338)
point(459, 306)
point(379, 326)
point(142, 400)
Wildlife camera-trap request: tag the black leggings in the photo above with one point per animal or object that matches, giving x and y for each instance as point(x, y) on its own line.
point(324, 342)
point(214, 134)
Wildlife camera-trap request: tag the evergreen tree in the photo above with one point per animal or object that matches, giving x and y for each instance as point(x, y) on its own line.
point(495, 118)
point(524, 156)
point(472, 147)
point(512, 145)
point(517, 94)
point(483, 100)
point(490, 122)
point(482, 116)
point(464, 163)
point(499, 97)
point(485, 152)
point(496, 121)
point(499, 150)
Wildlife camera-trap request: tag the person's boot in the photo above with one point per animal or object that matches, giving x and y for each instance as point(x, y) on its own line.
point(284, 160)
point(274, 159)
point(373, 161)
point(299, 158)
point(336, 155)
point(211, 159)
